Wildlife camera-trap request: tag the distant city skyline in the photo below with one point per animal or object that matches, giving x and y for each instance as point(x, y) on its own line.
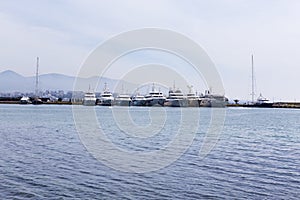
point(63, 33)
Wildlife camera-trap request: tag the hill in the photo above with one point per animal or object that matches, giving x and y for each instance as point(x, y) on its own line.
point(11, 81)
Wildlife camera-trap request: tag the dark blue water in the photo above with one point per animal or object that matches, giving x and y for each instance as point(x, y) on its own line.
point(256, 157)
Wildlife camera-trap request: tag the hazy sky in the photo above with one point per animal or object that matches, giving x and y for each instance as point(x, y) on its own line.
point(63, 33)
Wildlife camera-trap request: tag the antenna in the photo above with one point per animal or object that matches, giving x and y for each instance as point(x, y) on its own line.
point(37, 78)
point(105, 87)
point(122, 90)
point(190, 88)
point(174, 85)
point(252, 68)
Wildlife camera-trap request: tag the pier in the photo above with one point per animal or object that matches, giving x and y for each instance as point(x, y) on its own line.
point(268, 105)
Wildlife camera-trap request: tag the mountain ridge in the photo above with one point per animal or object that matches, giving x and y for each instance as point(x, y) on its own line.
point(11, 81)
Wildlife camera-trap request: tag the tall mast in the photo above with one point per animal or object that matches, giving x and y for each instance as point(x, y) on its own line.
point(37, 77)
point(252, 66)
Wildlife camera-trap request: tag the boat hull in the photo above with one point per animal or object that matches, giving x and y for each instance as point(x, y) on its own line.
point(260, 105)
point(105, 102)
point(176, 103)
point(89, 103)
point(25, 102)
point(213, 103)
point(122, 103)
point(138, 103)
point(193, 103)
point(37, 101)
point(155, 102)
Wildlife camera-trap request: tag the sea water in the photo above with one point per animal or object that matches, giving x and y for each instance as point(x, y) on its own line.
point(42, 156)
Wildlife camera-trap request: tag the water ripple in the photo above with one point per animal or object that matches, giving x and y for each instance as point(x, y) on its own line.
point(43, 158)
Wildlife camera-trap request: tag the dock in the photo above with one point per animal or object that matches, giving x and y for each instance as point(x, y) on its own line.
point(269, 105)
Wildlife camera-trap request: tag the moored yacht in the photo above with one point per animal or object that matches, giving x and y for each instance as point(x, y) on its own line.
point(106, 98)
point(89, 99)
point(176, 99)
point(122, 100)
point(192, 98)
point(36, 101)
point(138, 100)
point(260, 102)
point(213, 100)
point(261, 99)
point(155, 98)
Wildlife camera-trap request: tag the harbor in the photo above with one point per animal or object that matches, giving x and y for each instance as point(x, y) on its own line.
point(175, 97)
point(295, 105)
point(165, 100)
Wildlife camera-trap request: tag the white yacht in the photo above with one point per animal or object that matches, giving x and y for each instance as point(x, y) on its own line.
point(89, 99)
point(138, 100)
point(176, 99)
point(155, 98)
point(106, 98)
point(261, 99)
point(261, 102)
point(122, 100)
point(192, 98)
point(213, 100)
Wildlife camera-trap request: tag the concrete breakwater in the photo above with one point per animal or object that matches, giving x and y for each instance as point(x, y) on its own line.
point(268, 105)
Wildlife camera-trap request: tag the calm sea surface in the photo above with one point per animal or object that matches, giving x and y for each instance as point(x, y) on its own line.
point(257, 157)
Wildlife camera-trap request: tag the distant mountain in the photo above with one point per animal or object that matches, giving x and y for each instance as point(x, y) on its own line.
point(11, 81)
point(10, 74)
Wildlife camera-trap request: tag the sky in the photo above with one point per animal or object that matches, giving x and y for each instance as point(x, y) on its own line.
point(64, 32)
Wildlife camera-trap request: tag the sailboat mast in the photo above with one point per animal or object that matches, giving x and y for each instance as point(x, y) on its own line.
point(252, 65)
point(37, 77)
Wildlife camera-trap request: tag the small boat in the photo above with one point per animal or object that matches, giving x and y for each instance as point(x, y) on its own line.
point(138, 100)
point(261, 102)
point(155, 98)
point(37, 101)
point(25, 100)
point(176, 99)
point(122, 100)
point(89, 99)
point(106, 98)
